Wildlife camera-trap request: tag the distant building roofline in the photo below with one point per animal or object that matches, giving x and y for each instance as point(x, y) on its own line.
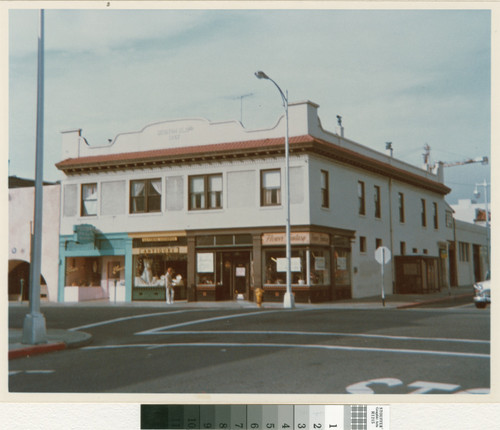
point(16, 182)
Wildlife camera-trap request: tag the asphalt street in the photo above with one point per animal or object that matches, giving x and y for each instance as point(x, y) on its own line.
point(312, 350)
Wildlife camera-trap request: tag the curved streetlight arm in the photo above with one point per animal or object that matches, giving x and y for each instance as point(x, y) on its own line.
point(261, 75)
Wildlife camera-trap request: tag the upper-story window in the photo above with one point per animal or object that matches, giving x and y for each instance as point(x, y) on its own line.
point(423, 212)
point(88, 206)
point(325, 201)
point(435, 215)
point(145, 196)
point(362, 244)
point(205, 192)
point(270, 187)
point(401, 203)
point(361, 198)
point(449, 219)
point(376, 197)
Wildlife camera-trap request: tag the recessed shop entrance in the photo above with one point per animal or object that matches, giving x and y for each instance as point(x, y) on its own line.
point(235, 275)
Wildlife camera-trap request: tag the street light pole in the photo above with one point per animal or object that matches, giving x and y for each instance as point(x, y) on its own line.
point(486, 217)
point(34, 331)
point(288, 300)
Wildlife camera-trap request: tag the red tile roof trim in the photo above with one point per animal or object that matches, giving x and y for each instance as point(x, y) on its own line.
point(244, 149)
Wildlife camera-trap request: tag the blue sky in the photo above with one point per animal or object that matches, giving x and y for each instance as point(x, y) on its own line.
point(413, 77)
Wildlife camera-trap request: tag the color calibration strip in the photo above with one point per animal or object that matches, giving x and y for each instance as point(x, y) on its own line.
point(265, 417)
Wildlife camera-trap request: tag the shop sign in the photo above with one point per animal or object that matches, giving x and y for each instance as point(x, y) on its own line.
point(205, 262)
point(161, 250)
point(296, 238)
point(240, 271)
point(160, 239)
point(295, 266)
point(85, 233)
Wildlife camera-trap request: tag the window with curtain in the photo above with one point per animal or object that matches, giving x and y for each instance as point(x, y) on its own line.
point(145, 195)
point(89, 200)
point(205, 192)
point(270, 188)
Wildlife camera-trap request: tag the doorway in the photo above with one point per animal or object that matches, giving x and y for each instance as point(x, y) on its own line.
point(235, 275)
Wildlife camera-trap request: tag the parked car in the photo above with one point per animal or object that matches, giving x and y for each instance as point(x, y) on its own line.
point(482, 293)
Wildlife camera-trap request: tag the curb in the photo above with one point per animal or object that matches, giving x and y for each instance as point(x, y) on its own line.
point(60, 340)
point(428, 302)
point(35, 350)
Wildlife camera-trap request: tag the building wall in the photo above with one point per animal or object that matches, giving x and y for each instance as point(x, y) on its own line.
point(469, 235)
point(21, 210)
point(241, 199)
point(471, 211)
point(241, 206)
point(343, 213)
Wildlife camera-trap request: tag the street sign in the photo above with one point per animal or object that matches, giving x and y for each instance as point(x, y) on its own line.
point(382, 255)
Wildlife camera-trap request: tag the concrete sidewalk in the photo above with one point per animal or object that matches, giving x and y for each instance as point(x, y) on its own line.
point(63, 339)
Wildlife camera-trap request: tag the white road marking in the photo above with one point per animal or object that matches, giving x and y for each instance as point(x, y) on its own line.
point(31, 372)
point(160, 330)
point(307, 333)
point(286, 345)
point(132, 317)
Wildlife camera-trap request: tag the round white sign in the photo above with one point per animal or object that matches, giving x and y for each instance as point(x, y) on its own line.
point(382, 255)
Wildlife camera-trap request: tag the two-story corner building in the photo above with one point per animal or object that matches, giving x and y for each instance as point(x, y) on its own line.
point(207, 199)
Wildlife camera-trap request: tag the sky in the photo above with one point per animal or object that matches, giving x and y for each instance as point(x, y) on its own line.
point(411, 77)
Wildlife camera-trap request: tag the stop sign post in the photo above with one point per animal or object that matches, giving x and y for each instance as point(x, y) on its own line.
point(383, 256)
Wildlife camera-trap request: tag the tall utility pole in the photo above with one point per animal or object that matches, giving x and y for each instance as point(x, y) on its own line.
point(34, 331)
point(486, 218)
point(288, 299)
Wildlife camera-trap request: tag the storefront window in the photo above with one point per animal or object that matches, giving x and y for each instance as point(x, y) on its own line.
point(309, 266)
point(319, 267)
point(205, 268)
point(83, 271)
point(149, 270)
point(342, 258)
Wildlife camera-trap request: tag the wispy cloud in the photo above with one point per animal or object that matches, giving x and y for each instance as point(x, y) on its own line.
point(407, 76)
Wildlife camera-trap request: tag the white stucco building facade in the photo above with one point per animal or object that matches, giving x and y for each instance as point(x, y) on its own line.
point(208, 200)
point(21, 210)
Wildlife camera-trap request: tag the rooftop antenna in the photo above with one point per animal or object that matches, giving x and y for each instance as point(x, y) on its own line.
point(241, 103)
point(388, 147)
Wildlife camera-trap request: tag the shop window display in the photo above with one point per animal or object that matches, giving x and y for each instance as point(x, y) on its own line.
point(149, 271)
point(309, 266)
point(83, 271)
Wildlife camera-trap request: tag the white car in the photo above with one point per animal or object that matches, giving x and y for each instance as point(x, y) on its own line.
point(482, 293)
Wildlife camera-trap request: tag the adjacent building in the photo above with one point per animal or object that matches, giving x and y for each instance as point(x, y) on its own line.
point(21, 211)
point(472, 212)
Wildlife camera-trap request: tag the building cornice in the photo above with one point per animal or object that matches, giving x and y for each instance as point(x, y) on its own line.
point(263, 148)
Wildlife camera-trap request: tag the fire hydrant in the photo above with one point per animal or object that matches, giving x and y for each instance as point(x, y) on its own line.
point(259, 294)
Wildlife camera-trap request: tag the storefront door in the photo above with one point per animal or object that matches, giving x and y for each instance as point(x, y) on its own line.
point(236, 275)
